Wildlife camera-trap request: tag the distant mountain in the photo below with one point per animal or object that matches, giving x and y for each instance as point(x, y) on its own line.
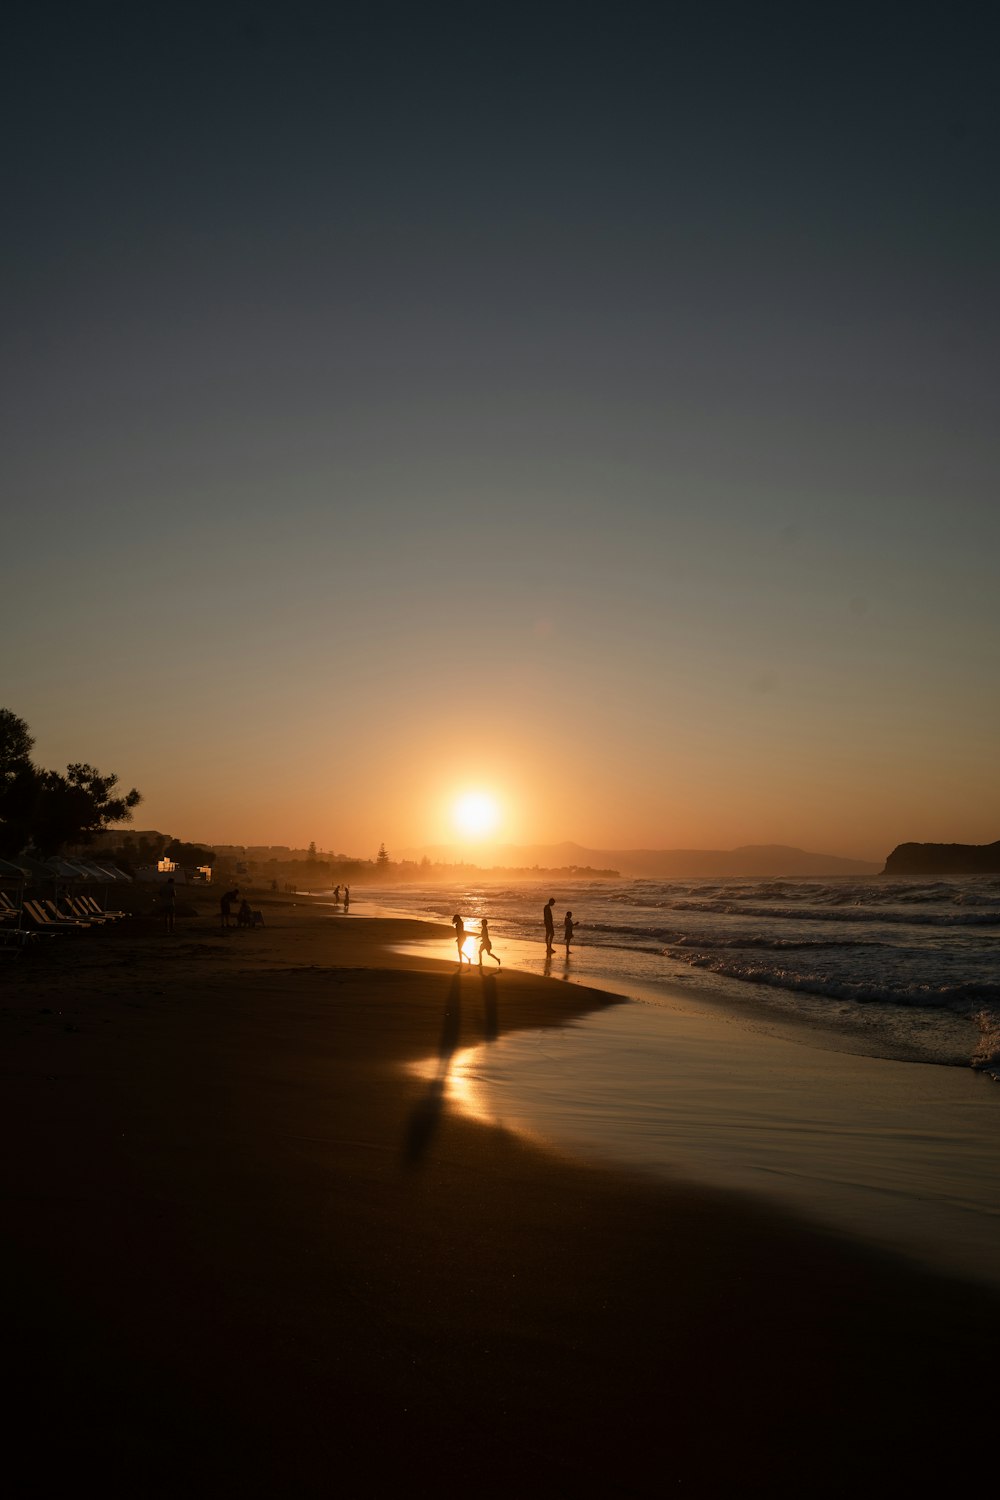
point(751, 860)
point(944, 859)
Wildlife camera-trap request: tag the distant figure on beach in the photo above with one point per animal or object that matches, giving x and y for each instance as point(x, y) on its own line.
point(226, 905)
point(550, 926)
point(347, 896)
point(485, 946)
point(459, 927)
point(244, 917)
point(168, 900)
point(336, 893)
point(567, 930)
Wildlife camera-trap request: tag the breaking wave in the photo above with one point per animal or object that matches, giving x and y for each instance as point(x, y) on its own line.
point(962, 998)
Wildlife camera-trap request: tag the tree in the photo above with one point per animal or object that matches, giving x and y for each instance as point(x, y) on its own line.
point(70, 809)
point(19, 783)
point(311, 851)
point(382, 859)
point(15, 744)
point(46, 809)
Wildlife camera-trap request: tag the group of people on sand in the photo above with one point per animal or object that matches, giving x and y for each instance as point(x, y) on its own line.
point(550, 927)
point(347, 896)
point(245, 914)
point(485, 945)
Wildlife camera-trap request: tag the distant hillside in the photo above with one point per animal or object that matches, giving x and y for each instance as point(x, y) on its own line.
point(769, 860)
point(944, 859)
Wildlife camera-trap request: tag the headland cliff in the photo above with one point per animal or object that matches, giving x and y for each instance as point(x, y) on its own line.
point(944, 859)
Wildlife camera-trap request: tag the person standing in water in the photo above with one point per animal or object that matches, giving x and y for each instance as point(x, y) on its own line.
point(485, 946)
point(459, 927)
point(567, 930)
point(550, 929)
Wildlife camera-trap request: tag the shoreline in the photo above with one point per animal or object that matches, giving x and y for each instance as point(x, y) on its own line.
point(933, 1035)
point(900, 1154)
point(249, 1249)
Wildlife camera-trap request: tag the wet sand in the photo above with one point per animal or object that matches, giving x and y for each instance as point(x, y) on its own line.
point(247, 1248)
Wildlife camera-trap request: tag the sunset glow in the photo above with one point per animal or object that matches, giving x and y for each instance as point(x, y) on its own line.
point(620, 516)
point(476, 815)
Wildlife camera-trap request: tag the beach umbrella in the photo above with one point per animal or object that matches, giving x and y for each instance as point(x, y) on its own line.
point(38, 871)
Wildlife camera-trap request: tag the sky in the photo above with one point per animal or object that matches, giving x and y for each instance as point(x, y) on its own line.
point(590, 406)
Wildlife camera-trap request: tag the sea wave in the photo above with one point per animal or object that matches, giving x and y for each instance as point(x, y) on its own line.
point(986, 1058)
point(764, 940)
point(810, 893)
point(846, 914)
point(614, 933)
point(962, 998)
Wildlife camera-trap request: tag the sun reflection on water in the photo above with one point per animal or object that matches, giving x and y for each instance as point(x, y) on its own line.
point(462, 1088)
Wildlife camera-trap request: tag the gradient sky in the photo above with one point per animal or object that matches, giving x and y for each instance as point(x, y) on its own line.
point(592, 404)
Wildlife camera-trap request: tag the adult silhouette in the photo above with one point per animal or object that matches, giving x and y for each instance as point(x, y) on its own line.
point(550, 926)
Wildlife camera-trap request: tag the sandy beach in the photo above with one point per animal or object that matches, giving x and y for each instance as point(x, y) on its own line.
point(248, 1248)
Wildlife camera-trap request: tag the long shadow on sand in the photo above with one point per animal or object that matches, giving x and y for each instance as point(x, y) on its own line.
point(491, 1025)
point(426, 1116)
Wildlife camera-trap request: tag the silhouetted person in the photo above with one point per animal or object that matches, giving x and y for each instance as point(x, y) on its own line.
point(168, 900)
point(485, 946)
point(244, 917)
point(567, 930)
point(459, 927)
point(347, 896)
point(550, 926)
point(226, 905)
point(336, 893)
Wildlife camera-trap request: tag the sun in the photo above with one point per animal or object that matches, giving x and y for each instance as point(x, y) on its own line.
point(475, 815)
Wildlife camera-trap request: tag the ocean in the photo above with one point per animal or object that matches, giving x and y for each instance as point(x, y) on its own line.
point(832, 1045)
point(896, 969)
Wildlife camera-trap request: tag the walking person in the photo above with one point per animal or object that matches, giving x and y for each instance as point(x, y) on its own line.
point(485, 946)
point(459, 927)
point(550, 926)
point(567, 930)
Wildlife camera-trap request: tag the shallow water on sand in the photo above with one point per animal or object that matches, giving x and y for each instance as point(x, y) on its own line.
point(903, 1156)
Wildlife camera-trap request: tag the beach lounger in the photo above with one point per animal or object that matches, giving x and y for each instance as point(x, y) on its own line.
point(59, 917)
point(91, 905)
point(37, 914)
point(72, 906)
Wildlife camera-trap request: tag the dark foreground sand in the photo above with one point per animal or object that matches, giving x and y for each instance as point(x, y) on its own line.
point(245, 1252)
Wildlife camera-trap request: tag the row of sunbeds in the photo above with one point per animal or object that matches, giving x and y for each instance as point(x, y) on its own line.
point(37, 915)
